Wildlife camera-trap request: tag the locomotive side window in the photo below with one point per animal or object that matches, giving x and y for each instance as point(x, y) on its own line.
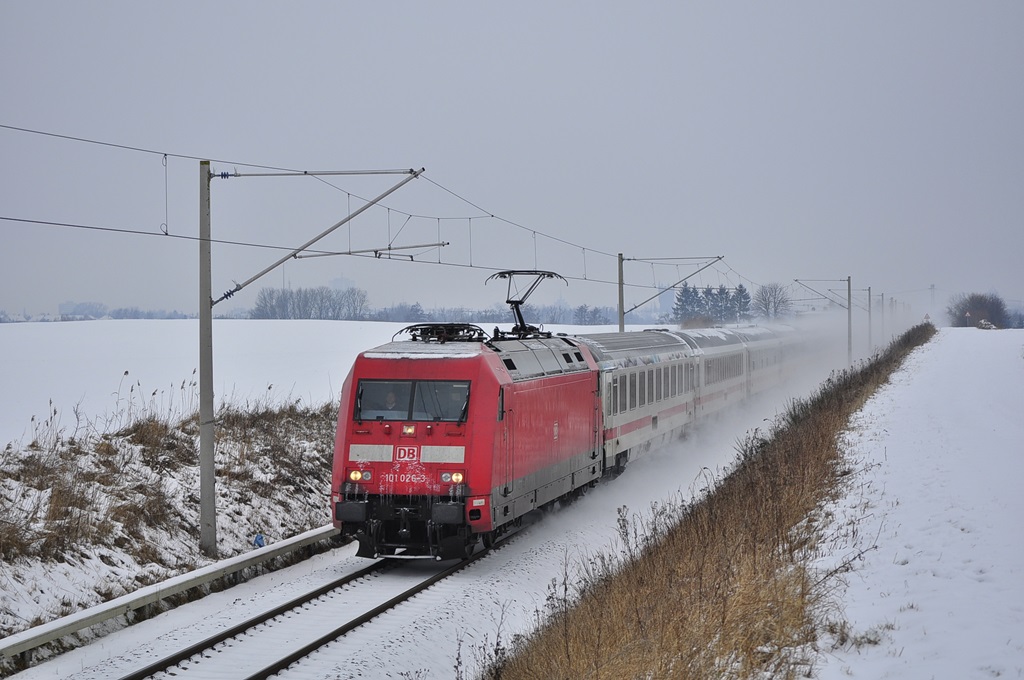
point(426, 400)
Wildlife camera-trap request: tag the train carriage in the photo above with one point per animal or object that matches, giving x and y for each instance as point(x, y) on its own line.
point(649, 387)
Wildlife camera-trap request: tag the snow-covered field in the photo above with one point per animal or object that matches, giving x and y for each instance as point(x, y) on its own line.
point(938, 453)
point(941, 449)
point(104, 369)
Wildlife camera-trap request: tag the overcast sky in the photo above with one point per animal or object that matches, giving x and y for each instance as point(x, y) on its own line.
point(800, 140)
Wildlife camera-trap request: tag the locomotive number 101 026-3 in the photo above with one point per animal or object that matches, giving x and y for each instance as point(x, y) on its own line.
point(403, 478)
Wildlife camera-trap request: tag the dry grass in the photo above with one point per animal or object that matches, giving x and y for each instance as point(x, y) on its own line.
point(721, 587)
point(62, 495)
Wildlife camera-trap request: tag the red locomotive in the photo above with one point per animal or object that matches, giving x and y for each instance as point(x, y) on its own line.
point(451, 437)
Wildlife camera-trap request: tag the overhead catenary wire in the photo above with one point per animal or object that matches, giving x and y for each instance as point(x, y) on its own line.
point(824, 296)
point(311, 252)
point(510, 222)
point(275, 170)
point(413, 174)
point(281, 171)
point(367, 253)
point(140, 149)
point(140, 232)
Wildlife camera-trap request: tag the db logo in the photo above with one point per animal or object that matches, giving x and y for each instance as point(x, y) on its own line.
point(408, 454)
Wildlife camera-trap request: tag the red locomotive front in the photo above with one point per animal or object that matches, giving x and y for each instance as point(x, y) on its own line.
point(457, 436)
point(404, 474)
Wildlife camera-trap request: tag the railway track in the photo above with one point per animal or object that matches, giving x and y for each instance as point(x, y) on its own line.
point(273, 640)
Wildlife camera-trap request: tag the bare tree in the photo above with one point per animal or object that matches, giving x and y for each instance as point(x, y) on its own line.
point(354, 304)
point(311, 303)
point(772, 301)
point(973, 309)
point(322, 303)
point(268, 305)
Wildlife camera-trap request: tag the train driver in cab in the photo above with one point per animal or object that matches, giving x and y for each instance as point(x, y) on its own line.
point(456, 402)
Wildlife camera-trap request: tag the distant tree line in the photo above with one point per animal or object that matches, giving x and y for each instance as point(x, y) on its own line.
point(82, 310)
point(352, 304)
point(708, 306)
point(93, 312)
point(311, 303)
point(79, 311)
point(136, 313)
point(585, 315)
point(693, 307)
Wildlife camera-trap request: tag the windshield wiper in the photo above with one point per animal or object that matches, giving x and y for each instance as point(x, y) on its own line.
point(465, 408)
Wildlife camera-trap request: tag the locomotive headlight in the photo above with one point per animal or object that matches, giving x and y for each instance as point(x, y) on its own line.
point(359, 475)
point(446, 477)
point(451, 477)
point(457, 477)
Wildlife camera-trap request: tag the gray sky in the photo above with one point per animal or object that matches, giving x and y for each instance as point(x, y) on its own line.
point(805, 140)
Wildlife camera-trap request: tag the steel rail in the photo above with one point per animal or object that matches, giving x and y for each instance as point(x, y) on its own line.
point(305, 651)
point(177, 657)
point(27, 640)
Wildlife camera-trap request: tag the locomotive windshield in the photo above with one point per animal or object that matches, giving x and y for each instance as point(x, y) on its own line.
point(423, 400)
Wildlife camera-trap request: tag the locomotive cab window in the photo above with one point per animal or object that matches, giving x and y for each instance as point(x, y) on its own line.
point(416, 400)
